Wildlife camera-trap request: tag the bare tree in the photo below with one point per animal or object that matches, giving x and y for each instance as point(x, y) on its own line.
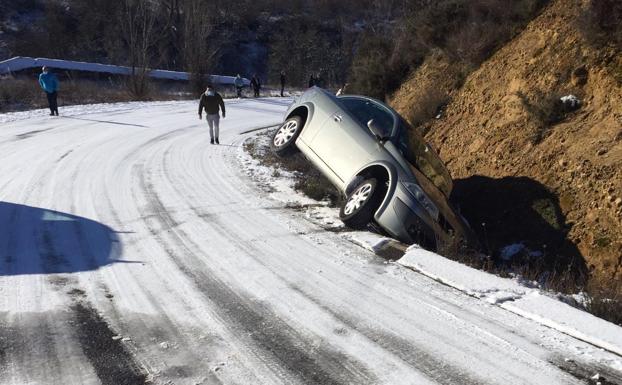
point(138, 26)
point(201, 48)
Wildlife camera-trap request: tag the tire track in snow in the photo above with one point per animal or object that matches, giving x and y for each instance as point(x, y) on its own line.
point(455, 374)
point(5, 332)
point(80, 324)
point(274, 337)
point(146, 329)
point(112, 362)
point(440, 371)
point(416, 357)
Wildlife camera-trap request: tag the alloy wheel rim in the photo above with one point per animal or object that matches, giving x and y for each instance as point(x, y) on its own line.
point(358, 198)
point(285, 133)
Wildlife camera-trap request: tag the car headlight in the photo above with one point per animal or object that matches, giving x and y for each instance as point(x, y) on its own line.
point(418, 193)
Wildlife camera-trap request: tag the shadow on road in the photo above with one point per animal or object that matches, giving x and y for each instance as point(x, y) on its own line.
point(40, 241)
point(519, 210)
point(105, 121)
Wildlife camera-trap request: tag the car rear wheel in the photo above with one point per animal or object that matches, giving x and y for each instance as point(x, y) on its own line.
point(283, 141)
point(360, 205)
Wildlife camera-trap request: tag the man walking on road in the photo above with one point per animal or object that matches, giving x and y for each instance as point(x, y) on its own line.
point(49, 84)
point(212, 102)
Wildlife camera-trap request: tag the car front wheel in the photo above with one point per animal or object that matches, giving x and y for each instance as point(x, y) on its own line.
point(283, 140)
point(360, 205)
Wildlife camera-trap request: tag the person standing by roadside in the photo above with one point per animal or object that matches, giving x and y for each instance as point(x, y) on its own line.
point(239, 84)
point(256, 85)
point(49, 84)
point(319, 80)
point(342, 90)
point(212, 102)
point(282, 82)
point(311, 81)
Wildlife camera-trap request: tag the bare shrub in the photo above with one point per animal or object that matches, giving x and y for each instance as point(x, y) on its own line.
point(138, 21)
point(601, 22)
point(307, 179)
point(604, 300)
point(371, 72)
point(468, 31)
point(17, 94)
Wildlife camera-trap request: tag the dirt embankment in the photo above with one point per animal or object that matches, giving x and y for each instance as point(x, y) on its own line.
point(527, 169)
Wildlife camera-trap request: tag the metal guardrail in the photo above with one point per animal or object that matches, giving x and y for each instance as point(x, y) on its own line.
point(20, 63)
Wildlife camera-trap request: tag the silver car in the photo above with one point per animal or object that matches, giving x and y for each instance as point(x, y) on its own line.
point(386, 171)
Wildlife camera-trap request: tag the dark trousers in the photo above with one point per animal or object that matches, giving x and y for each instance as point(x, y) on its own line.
point(239, 89)
point(282, 88)
point(256, 89)
point(52, 102)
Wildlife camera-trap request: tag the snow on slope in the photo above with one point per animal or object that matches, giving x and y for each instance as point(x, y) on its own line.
point(130, 248)
point(511, 295)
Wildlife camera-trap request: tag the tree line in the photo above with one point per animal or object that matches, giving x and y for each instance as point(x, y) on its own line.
point(372, 44)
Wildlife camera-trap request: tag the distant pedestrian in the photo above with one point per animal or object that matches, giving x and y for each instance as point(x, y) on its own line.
point(212, 102)
point(342, 90)
point(282, 82)
point(239, 84)
point(256, 83)
point(49, 84)
point(319, 80)
point(311, 81)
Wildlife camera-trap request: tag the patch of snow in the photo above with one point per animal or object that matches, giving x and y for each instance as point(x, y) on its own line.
point(570, 101)
point(511, 295)
point(280, 186)
point(370, 241)
point(567, 319)
point(324, 215)
point(508, 252)
point(474, 282)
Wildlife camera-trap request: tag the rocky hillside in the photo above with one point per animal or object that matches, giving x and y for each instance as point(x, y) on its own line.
point(530, 169)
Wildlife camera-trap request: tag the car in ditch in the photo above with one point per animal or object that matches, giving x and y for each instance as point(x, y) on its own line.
point(387, 172)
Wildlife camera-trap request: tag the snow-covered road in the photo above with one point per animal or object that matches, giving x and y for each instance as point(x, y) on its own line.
point(132, 250)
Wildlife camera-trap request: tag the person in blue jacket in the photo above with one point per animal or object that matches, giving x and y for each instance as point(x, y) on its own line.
point(49, 84)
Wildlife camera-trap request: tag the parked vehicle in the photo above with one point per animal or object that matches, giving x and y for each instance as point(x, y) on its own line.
point(386, 171)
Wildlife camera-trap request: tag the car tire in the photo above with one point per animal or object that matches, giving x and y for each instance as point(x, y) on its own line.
point(361, 204)
point(284, 138)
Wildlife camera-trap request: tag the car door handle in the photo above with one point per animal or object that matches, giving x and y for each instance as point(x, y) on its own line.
point(337, 118)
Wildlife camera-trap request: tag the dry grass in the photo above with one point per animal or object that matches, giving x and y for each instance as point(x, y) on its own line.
point(604, 300)
point(18, 94)
point(307, 179)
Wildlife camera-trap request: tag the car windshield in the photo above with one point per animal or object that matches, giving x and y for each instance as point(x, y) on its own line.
point(364, 110)
point(414, 148)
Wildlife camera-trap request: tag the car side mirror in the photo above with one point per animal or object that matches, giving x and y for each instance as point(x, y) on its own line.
point(375, 130)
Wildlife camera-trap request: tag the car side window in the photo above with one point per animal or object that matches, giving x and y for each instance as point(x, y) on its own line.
point(364, 110)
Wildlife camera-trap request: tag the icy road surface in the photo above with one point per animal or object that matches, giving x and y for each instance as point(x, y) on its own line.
point(133, 251)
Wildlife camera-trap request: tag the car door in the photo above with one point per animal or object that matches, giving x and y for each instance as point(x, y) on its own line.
point(343, 143)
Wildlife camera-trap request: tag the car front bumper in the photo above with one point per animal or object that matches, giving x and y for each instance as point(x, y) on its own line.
point(408, 221)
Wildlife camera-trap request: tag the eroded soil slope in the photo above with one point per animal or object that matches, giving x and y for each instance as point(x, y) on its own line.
point(527, 168)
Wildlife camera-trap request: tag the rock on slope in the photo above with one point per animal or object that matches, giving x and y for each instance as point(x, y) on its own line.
point(516, 152)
